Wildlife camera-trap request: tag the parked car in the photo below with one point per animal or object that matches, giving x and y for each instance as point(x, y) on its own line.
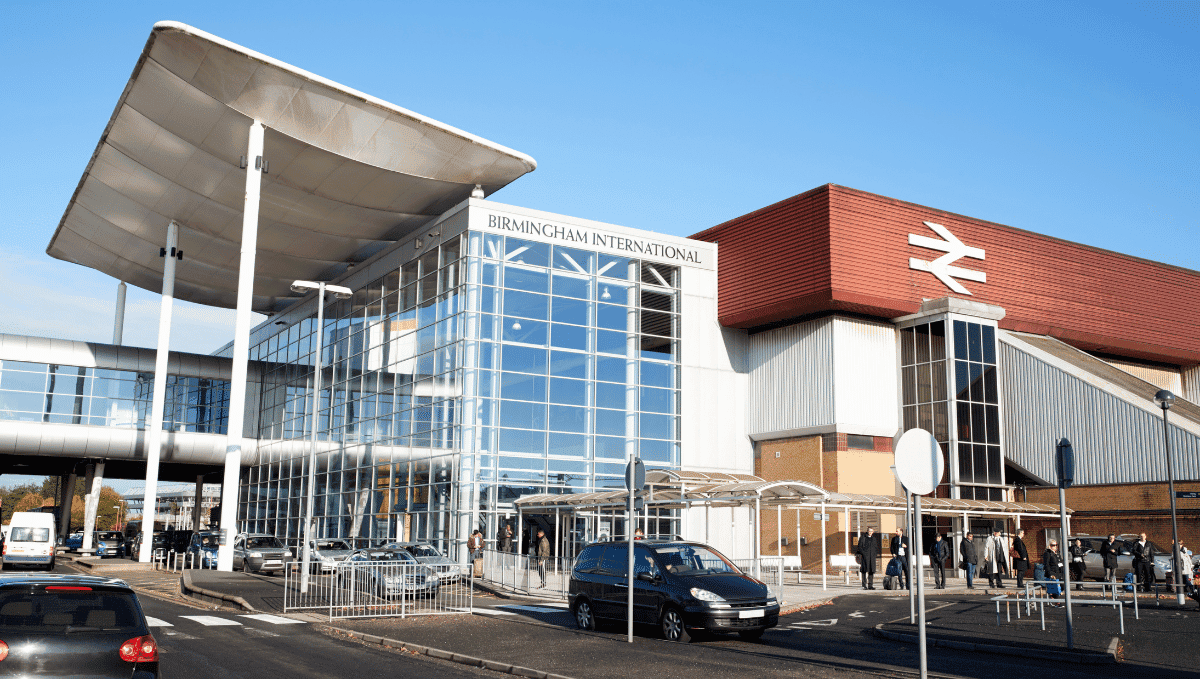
point(74, 541)
point(388, 573)
point(30, 541)
point(179, 540)
point(1093, 563)
point(109, 543)
point(679, 586)
point(260, 553)
point(445, 567)
point(202, 551)
point(161, 541)
point(326, 553)
point(73, 622)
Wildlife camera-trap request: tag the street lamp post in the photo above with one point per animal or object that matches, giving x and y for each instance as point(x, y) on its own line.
point(339, 293)
point(1165, 399)
point(120, 527)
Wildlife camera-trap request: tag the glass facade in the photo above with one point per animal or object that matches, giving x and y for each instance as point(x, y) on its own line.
point(482, 370)
point(63, 394)
point(932, 394)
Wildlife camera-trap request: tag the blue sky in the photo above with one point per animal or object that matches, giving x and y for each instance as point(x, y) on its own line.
point(1076, 120)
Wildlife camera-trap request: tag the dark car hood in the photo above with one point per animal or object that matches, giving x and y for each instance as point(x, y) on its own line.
point(730, 586)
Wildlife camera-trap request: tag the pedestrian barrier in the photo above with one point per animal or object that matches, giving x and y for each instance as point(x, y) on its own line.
point(525, 574)
point(169, 561)
point(768, 569)
point(369, 589)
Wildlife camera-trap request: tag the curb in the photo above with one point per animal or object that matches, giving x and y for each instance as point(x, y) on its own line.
point(1077, 657)
point(188, 587)
point(515, 670)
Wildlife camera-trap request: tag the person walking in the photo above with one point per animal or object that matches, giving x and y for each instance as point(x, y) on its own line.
point(1143, 562)
point(1077, 552)
point(1109, 551)
point(939, 551)
point(899, 549)
point(1020, 557)
point(475, 545)
point(995, 559)
point(1052, 562)
point(970, 558)
point(542, 547)
point(504, 541)
point(867, 552)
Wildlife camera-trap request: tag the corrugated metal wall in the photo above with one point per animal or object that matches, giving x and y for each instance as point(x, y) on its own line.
point(791, 382)
point(1114, 441)
point(866, 380)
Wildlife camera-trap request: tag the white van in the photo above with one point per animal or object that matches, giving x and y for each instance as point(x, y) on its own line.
point(30, 540)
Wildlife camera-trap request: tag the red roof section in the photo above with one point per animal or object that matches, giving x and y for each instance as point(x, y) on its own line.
point(839, 249)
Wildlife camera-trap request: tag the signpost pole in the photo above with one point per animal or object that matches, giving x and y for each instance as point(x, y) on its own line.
point(1066, 472)
point(635, 479)
point(912, 597)
point(916, 556)
point(919, 467)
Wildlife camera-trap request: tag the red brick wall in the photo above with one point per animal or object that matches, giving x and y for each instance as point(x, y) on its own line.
point(1122, 508)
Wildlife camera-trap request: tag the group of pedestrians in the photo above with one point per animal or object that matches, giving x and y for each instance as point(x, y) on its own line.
point(993, 556)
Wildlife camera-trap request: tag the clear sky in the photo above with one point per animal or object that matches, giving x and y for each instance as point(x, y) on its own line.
point(1078, 120)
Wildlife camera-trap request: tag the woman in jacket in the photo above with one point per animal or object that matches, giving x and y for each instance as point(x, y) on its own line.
point(1109, 551)
point(1077, 551)
point(1052, 562)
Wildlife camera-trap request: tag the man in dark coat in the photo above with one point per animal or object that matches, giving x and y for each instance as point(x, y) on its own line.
point(1143, 562)
point(939, 551)
point(1109, 551)
point(899, 549)
point(504, 541)
point(867, 553)
point(1022, 561)
point(969, 557)
point(542, 551)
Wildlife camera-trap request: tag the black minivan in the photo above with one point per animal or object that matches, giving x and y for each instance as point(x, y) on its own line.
point(679, 586)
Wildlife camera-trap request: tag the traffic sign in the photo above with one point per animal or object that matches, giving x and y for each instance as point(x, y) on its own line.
point(919, 461)
point(635, 474)
point(1064, 456)
point(1187, 495)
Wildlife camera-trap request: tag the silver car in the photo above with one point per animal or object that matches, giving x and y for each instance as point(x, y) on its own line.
point(260, 553)
point(387, 573)
point(425, 553)
point(325, 553)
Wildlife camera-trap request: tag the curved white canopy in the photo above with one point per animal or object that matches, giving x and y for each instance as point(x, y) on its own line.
point(348, 173)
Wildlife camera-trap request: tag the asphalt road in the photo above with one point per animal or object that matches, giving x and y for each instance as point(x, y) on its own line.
point(196, 642)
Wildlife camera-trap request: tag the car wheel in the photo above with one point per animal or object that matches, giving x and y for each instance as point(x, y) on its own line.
point(584, 618)
point(51, 563)
point(672, 626)
point(751, 634)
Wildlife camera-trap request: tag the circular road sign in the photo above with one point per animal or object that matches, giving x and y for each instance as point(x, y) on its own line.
point(919, 461)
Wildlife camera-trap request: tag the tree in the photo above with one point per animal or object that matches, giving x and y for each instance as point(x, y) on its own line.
point(107, 517)
point(30, 502)
point(10, 497)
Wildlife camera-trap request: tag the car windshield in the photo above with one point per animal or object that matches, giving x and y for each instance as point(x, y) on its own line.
point(21, 534)
point(423, 550)
point(387, 555)
point(110, 536)
point(39, 610)
point(693, 560)
point(263, 542)
point(209, 540)
point(332, 544)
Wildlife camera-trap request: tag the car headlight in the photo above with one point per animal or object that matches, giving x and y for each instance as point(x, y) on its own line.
point(433, 578)
point(705, 595)
point(772, 601)
point(255, 555)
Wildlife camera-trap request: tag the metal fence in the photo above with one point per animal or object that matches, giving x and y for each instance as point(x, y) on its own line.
point(768, 569)
point(368, 589)
point(525, 574)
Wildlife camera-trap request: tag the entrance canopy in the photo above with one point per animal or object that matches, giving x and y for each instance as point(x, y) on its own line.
point(347, 174)
point(671, 489)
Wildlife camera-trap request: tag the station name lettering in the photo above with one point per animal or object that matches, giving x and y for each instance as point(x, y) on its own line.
point(593, 238)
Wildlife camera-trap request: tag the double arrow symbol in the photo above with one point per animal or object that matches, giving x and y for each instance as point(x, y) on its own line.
point(940, 267)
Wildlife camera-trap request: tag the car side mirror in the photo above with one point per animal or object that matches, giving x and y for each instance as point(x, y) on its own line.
point(647, 576)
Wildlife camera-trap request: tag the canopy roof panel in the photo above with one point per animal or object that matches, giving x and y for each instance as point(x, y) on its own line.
point(348, 174)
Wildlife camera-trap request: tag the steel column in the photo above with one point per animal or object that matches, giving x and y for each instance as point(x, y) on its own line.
point(310, 500)
point(119, 316)
point(154, 426)
point(241, 347)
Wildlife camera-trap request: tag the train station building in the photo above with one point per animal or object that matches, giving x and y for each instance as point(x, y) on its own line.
point(482, 352)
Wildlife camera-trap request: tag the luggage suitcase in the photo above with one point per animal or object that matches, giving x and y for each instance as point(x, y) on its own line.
point(893, 567)
point(478, 568)
point(1129, 582)
point(1054, 589)
point(889, 582)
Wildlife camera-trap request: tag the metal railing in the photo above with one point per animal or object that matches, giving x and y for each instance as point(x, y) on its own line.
point(768, 569)
point(362, 589)
point(525, 574)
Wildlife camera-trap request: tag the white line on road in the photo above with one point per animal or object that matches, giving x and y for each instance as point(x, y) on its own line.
point(155, 622)
point(488, 611)
point(273, 619)
point(534, 609)
point(211, 621)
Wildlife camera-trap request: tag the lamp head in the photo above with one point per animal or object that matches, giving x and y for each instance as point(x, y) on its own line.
point(1165, 399)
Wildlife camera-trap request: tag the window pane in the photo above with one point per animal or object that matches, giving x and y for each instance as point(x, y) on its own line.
point(532, 280)
point(569, 336)
point(610, 395)
point(522, 415)
point(656, 451)
point(567, 444)
point(526, 252)
point(658, 400)
point(960, 340)
point(23, 381)
point(989, 385)
point(922, 343)
point(524, 359)
point(610, 422)
point(526, 305)
point(962, 380)
point(924, 381)
point(964, 421)
point(977, 382)
point(523, 387)
point(656, 426)
point(993, 424)
point(939, 381)
point(657, 323)
point(571, 286)
point(612, 267)
point(612, 317)
point(522, 441)
point(525, 331)
point(979, 463)
point(965, 475)
point(577, 261)
point(937, 340)
point(612, 292)
point(569, 364)
point(978, 423)
point(567, 418)
point(610, 369)
point(609, 447)
point(609, 342)
point(908, 379)
point(658, 374)
point(568, 310)
point(907, 352)
point(975, 341)
point(568, 392)
point(989, 344)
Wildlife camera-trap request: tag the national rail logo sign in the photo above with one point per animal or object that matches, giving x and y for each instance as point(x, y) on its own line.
point(941, 267)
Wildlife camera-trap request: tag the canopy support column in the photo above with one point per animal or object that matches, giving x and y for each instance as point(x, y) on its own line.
point(95, 480)
point(119, 315)
point(824, 558)
point(846, 515)
point(197, 508)
point(241, 348)
point(154, 427)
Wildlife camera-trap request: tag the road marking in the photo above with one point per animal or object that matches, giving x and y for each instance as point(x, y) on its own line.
point(813, 623)
point(488, 611)
point(533, 609)
point(179, 636)
point(858, 614)
point(155, 622)
point(211, 621)
point(273, 619)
